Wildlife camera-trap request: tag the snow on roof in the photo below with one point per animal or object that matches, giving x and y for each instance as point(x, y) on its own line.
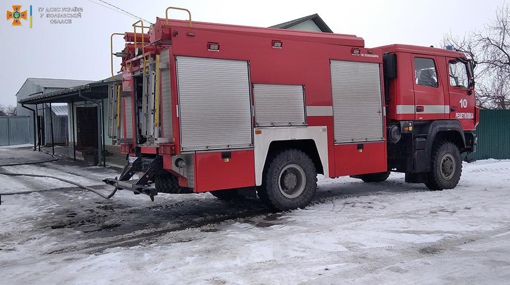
point(57, 83)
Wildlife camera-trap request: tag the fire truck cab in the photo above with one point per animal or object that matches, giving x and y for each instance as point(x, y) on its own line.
point(231, 109)
point(431, 101)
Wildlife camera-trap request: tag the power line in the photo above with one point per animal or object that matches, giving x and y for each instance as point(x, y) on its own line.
point(124, 11)
point(112, 9)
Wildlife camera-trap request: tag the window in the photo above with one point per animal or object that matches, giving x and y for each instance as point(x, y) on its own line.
point(458, 74)
point(425, 72)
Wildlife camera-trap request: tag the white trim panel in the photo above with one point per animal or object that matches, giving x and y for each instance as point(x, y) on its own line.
point(262, 142)
point(405, 109)
point(427, 109)
point(319, 111)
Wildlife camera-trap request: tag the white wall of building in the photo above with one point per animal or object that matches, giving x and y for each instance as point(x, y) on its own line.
point(306, 26)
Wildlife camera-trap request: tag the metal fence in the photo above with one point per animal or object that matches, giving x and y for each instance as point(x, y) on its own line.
point(493, 135)
point(16, 130)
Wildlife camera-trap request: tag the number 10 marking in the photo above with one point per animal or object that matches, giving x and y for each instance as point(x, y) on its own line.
point(463, 103)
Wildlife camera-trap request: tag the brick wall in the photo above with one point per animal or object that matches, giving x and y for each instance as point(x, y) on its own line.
point(115, 149)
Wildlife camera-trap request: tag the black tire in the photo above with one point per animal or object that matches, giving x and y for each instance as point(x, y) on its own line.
point(446, 167)
point(166, 183)
point(226, 195)
point(375, 177)
point(290, 181)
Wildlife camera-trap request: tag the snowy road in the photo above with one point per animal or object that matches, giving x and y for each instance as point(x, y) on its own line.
point(354, 233)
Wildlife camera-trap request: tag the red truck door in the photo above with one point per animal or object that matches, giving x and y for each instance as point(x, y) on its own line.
point(462, 99)
point(429, 102)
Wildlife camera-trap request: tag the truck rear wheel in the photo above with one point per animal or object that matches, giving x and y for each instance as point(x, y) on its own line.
point(166, 183)
point(290, 181)
point(446, 167)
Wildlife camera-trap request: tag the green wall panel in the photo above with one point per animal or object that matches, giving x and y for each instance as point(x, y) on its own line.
point(493, 135)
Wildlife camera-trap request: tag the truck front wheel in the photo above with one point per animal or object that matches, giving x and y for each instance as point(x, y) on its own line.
point(290, 181)
point(446, 167)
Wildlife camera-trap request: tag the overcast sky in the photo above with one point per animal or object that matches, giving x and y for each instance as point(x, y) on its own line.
point(81, 50)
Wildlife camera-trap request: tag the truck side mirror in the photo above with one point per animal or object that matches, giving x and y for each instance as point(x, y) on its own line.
point(471, 83)
point(390, 65)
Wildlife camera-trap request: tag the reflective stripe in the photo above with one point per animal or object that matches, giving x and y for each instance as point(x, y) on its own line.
point(405, 109)
point(319, 110)
point(427, 109)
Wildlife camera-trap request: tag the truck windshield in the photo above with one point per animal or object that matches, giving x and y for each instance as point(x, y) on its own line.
point(458, 74)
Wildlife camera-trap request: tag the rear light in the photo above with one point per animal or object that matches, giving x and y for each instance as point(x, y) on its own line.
point(213, 46)
point(355, 51)
point(277, 44)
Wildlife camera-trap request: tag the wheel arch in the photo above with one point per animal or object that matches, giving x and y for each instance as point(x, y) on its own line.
point(448, 130)
point(307, 146)
point(310, 140)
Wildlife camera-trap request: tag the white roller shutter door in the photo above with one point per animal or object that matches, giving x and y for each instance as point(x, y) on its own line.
point(214, 103)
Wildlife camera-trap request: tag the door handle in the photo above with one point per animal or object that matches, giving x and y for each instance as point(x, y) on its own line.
point(453, 109)
point(420, 108)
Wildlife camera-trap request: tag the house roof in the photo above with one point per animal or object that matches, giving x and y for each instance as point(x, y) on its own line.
point(96, 90)
point(315, 18)
point(57, 83)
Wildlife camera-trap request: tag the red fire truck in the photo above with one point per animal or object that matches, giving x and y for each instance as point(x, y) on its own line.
point(231, 110)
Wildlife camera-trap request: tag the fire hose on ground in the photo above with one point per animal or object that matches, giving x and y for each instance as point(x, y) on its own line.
point(53, 177)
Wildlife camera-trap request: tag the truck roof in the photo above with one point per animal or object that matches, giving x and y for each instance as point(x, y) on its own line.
point(420, 50)
point(277, 34)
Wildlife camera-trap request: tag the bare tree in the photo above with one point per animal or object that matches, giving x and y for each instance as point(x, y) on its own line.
point(11, 110)
point(8, 110)
point(490, 49)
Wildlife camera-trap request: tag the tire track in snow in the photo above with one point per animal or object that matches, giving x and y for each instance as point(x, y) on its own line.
point(137, 238)
point(134, 238)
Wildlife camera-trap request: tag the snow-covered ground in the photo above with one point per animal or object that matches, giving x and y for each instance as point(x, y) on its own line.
point(386, 233)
